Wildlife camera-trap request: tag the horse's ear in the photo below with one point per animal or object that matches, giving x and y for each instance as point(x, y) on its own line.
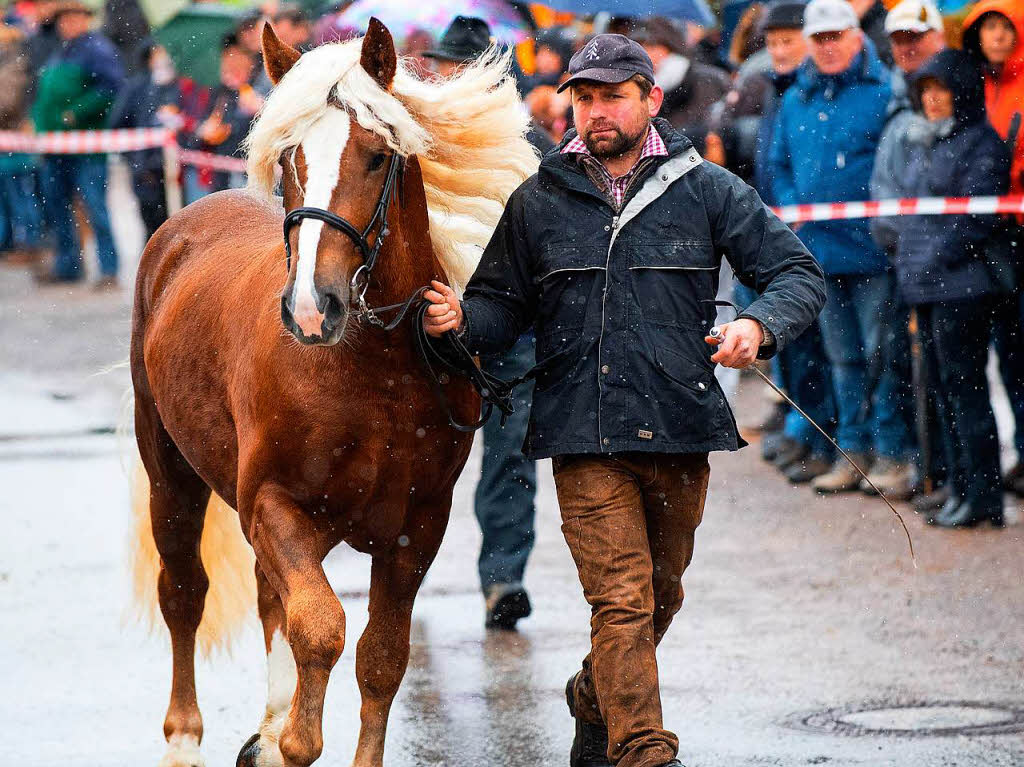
point(378, 57)
point(278, 57)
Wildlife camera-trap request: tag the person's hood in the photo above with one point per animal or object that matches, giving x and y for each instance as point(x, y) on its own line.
point(960, 73)
point(866, 66)
point(1011, 9)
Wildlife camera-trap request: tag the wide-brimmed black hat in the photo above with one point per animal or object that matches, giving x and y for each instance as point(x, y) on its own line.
point(464, 40)
point(609, 59)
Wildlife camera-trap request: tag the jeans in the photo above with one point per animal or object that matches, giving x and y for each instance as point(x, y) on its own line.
point(1008, 338)
point(504, 501)
point(954, 339)
point(629, 521)
point(801, 369)
point(20, 217)
point(62, 176)
point(862, 325)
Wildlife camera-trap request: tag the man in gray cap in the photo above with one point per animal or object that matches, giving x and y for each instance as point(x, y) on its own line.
point(612, 253)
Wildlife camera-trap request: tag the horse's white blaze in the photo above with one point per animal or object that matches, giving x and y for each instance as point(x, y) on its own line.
point(322, 147)
point(182, 751)
point(281, 681)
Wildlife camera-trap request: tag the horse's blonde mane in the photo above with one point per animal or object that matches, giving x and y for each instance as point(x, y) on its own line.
point(467, 130)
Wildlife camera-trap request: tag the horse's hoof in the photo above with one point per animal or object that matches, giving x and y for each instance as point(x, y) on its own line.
point(251, 750)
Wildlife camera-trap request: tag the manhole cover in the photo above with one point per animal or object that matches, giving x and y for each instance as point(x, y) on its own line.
point(933, 719)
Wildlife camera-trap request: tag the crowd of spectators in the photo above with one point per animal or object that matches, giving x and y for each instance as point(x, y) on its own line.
point(833, 101)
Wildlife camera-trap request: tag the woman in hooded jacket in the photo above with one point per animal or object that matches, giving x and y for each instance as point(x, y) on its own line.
point(942, 270)
point(994, 36)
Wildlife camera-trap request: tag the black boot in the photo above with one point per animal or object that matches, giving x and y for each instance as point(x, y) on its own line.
point(506, 604)
point(590, 746)
point(967, 515)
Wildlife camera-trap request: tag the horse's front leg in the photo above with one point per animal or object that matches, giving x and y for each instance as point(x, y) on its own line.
point(383, 650)
point(262, 750)
point(290, 550)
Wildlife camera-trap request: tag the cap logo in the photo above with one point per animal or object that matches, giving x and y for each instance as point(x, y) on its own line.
point(592, 51)
point(923, 15)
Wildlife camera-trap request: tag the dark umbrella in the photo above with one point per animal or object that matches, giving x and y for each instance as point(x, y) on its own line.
point(690, 10)
point(193, 37)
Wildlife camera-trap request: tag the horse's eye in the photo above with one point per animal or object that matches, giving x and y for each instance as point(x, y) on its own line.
point(377, 161)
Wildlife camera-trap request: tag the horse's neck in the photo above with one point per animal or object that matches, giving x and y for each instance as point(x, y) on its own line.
point(406, 261)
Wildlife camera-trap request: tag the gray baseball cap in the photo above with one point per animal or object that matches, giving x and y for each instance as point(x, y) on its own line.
point(609, 59)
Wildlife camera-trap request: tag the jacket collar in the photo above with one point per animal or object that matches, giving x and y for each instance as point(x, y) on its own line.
point(566, 171)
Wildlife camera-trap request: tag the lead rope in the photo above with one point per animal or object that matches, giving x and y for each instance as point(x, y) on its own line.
point(812, 422)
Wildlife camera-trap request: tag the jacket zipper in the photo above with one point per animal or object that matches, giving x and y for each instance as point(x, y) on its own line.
point(600, 340)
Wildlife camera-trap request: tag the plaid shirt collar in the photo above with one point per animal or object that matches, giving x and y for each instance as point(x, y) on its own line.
point(615, 188)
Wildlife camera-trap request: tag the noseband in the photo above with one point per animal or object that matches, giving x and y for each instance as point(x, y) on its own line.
point(378, 221)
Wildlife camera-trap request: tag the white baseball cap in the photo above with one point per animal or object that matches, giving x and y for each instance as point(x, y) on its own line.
point(914, 16)
point(829, 16)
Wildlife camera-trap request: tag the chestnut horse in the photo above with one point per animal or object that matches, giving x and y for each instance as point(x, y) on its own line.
point(322, 429)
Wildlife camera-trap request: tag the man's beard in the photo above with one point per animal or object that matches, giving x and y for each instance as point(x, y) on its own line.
point(616, 147)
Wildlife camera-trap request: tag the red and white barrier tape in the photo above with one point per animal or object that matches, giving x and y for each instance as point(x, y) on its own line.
point(919, 206)
point(121, 140)
point(85, 141)
point(133, 139)
point(212, 161)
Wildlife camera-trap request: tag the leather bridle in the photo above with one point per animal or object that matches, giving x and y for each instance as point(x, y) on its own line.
point(361, 239)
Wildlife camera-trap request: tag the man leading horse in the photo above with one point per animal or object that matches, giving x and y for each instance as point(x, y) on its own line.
point(612, 253)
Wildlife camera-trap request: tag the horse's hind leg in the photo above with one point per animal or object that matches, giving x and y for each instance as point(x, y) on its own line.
point(383, 650)
point(290, 550)
point(262, 748)
point(177, 507)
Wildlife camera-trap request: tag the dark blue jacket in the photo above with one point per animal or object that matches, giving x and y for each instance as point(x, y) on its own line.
point(619, 299)
point(823, 151)
point(942, 258)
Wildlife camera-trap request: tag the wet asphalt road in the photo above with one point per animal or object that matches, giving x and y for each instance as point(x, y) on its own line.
point(795, 604)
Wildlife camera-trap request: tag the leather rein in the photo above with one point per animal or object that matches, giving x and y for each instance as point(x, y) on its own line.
point(453, 357)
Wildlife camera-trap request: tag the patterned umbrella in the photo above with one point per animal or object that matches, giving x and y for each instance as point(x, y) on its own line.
point(403, 17)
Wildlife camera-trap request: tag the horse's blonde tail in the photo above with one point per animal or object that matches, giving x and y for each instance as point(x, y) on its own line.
point(227, 558)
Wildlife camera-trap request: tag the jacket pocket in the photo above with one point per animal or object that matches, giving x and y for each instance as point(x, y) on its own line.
point(570, 278)
point(689, 367)
point(671, 280)
point(680, 255)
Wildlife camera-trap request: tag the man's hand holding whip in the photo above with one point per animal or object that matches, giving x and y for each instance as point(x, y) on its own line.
point(737, 342)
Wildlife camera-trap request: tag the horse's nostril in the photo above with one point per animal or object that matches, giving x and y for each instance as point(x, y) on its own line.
point(332, 309)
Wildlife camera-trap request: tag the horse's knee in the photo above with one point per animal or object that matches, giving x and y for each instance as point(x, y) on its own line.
point(316, 630)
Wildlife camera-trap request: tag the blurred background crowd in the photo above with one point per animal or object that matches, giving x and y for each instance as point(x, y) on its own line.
point(828, 102)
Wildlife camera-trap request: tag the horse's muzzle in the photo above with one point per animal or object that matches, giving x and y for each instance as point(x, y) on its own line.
point(324, 327)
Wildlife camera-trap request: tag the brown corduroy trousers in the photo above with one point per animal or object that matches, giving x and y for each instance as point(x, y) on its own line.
point(629, 520)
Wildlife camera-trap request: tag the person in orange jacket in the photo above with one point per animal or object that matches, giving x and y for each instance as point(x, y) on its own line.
point(994, 33)
point(994, 36)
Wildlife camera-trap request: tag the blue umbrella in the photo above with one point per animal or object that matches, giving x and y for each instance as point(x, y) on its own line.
point(690, 10)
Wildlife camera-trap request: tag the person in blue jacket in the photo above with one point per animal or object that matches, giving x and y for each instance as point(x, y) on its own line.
point(946, 268)
point(823, 150)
